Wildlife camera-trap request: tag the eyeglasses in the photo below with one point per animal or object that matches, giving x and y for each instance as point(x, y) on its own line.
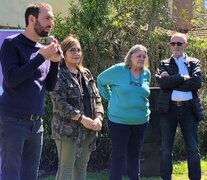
point(74, 50)
point(138, 84)
point(178, 43)
point(135, 83)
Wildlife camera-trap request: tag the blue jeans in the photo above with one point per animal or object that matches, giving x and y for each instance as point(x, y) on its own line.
point(126, 143)
point(21, 145)
point(185, 117)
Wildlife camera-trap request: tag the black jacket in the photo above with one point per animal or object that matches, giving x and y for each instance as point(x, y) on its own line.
point(176, 82)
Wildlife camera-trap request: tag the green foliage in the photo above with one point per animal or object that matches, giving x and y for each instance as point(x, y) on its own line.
point(101, 157)
point(107, 29)
point(199, 14)
point(49, 152)
point(198, 48)
point(158, 49)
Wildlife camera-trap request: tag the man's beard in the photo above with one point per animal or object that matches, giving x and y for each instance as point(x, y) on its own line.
point(40, 29)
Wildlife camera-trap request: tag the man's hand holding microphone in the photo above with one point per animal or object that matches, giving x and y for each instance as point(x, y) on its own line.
point(51, 50)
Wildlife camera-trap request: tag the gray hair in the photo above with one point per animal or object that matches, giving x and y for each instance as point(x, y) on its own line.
point(135, 48)
point(181, 36)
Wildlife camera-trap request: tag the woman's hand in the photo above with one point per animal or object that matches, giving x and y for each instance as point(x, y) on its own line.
point(97, 124)
point(87, 122)
point(94, 125)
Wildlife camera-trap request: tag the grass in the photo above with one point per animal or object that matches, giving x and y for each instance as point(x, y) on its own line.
point(180, 172)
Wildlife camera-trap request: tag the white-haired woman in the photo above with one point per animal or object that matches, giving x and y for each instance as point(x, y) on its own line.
point(126, 87)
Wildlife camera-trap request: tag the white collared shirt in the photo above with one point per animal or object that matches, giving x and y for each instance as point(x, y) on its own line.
point(181, 95)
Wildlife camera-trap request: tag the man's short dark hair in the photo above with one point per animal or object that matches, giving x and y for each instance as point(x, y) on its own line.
point(34, 9)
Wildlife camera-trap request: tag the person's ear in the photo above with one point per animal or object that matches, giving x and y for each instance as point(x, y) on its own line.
point(31, 19)
point(186, 45)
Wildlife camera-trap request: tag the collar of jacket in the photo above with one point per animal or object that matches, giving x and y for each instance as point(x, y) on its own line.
point(187, 62)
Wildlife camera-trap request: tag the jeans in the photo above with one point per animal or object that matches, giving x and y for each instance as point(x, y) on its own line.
point(185, 117)
point(126, 143)
point(71, 167)
point(21, 145)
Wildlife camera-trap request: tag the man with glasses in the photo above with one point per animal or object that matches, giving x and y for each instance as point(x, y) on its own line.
point(179, 78)
point(29, 69)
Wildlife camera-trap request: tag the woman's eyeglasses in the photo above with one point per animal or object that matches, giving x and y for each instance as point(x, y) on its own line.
point(74, 50)
point(135, 83)
point(178, 43)
point(138, 84)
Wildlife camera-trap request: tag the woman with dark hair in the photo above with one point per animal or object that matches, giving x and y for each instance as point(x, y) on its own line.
point(77, 113)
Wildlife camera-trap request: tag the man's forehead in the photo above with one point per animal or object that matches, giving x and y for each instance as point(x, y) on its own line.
point(46, 11)
point(178, 37)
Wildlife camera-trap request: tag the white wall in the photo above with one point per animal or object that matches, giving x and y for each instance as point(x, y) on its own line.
point(12, 11)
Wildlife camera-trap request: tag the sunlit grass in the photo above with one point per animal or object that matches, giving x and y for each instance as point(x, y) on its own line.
point(180, 172)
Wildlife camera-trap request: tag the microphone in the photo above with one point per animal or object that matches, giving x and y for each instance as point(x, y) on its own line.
point(49, 40)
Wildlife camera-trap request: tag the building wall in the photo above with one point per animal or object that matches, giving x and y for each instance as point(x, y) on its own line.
point(183, 13)
point(12, 12)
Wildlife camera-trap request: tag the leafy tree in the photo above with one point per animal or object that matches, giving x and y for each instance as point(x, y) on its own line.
point(107, 29)
point(200, 14)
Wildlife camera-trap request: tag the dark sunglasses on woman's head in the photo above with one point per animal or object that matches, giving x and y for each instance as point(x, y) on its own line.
point(178, 43)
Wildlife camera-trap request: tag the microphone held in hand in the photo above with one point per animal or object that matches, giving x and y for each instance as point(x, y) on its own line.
point(49, 40)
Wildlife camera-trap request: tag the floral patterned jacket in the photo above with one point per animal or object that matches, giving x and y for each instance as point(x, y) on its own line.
point(68, 104)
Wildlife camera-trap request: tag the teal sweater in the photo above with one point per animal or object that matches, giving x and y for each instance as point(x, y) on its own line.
point(127, 103)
